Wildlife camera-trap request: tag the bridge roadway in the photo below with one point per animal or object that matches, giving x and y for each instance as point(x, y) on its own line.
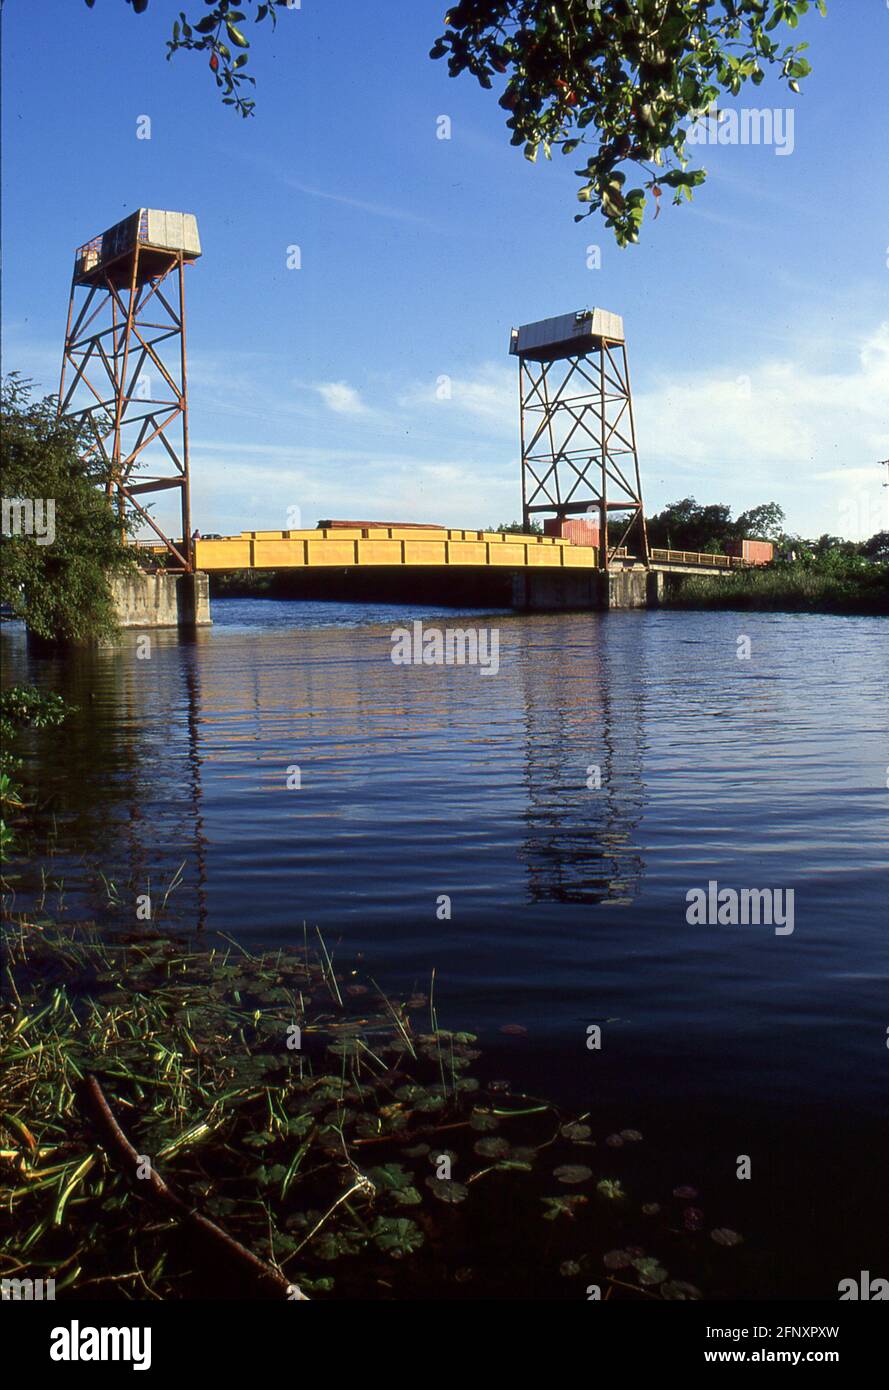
point(392, 546)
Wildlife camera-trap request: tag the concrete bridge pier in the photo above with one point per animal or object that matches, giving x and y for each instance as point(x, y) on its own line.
point(553, 591)
point(558, 590)
point(144, 600)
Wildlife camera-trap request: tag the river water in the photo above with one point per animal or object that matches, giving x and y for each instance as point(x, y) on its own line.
point(532, 836)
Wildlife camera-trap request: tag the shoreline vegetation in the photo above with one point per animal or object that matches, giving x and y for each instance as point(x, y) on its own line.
point(858, 588)
point(180, 1122)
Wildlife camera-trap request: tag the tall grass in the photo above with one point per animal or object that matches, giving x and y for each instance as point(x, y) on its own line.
point(789, 587)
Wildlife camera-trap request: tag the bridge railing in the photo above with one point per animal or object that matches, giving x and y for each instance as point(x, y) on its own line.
point(696, 557)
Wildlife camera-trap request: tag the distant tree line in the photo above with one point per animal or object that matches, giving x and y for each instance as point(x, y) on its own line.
point(686, 525)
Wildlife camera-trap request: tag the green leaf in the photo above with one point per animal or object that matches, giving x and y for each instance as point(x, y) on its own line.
point(236, 36)
point(396, 1235)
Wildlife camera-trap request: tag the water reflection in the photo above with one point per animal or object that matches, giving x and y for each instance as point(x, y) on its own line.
point(583, 734)
point(185, 755)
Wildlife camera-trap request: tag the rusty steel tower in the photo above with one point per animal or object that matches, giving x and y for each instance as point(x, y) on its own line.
point(578, 435)
point(124, 364)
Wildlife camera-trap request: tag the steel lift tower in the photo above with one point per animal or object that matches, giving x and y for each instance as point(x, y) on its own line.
point(124, 365)
point(578, 436)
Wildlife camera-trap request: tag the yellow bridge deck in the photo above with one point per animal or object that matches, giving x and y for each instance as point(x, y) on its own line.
point(340, 548)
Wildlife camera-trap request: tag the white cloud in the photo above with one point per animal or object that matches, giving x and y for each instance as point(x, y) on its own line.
point(805, 431)
point(488, 397)
point(341, 398)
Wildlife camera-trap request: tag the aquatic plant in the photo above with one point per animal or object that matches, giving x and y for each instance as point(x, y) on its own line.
point(177, 1122)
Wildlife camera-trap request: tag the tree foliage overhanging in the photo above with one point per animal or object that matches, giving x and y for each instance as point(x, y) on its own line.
point(61, 590)
point(621, 81)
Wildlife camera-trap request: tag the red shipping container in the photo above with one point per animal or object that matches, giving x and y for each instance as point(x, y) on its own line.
point(578, 530)
point(754, 552)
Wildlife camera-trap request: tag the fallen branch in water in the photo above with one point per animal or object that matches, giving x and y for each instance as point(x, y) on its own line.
point(269, 1281)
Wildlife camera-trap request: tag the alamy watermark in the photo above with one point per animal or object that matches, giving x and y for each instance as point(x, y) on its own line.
point(748, 126)
point(731, 907)
point(451, 646)
point(27, 1290)
point(30, 516)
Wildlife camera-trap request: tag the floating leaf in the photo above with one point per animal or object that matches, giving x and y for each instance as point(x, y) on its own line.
point(651, 1208)
point(648, 1271)
point(447, 1190)
point(576, 1131)
point(514, 1029)
point(493, 1147)
point(396, 1235)
point(330, 1245)
point(436, 1155)
point(391, 1177)
point(614, 1141)
point(617, 1259)
point(572, 1173)
point(693, 1218)
point(676, 1291)
point(315, 1285)
point(562, 1206)
point(632, 1136)
point(569, 1268)
point(610, 1188)
point(429, 1102)
point(257, 1140)
point(723, 1236)
point(483, 1120)
point(687, 1194)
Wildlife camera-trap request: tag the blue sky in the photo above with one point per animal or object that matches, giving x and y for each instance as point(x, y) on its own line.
point(757, 319)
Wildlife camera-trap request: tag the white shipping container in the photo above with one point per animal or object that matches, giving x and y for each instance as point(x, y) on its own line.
point(569, 332)
point(176, 231)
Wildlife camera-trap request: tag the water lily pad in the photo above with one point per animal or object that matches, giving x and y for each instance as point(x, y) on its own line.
point(648, 1271)
point(429, 1102)
point(447, 1190)
point(493, 1147)
point(330, 1245)
point(436, 1155)
point(572, 1173)
point(257, 1139)
point(687, 1194)
point(483, 1120)
point(610, 1188)
point(576, 1131)
point(675, 1290)
point(632, 1136)
point(614, 1141)
point(617, 1259)
point(391, 1177)
point(723, 1236)
point(396, 1235)
point(651, 1208)
point(569, 1269)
